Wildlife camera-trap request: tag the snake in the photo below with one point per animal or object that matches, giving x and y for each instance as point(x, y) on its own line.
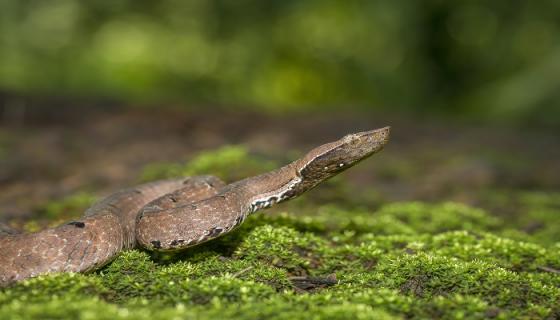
point(172, 214)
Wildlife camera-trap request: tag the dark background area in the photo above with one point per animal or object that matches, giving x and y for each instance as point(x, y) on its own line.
point(91, 92)
point(497, 61)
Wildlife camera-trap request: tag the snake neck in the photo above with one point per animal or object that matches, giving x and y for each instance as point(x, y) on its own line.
point(285, 189)
point(268, 189)
point(265, 190)
point(307, 172)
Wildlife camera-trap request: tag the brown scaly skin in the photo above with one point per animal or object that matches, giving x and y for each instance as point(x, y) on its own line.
point(173, 214)
point(105, 229)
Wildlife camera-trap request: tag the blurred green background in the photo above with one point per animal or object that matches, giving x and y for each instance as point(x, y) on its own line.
point(496, 61)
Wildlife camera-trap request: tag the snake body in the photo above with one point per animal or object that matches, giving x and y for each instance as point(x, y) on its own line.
point(170, 215)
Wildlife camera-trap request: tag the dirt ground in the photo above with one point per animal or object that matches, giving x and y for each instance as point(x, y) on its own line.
point(50, 148)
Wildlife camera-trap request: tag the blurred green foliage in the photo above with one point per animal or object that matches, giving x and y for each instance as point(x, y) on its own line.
point(496, 60)
point(67, 207)
point(229, 163)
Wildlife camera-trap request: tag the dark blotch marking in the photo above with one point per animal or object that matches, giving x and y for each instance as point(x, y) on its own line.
point(214, 232)
point(289, 194)
point(259, 204)
point(176, 242)
point(156, 244)
point(77, 224)
point(173, 199)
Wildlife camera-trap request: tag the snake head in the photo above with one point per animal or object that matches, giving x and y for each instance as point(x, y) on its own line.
point(332, 158)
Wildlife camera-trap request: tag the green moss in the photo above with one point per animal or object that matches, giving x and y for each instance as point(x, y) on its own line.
point(281, 247)
point(427, 276)
point(531, 215)
point(189, 281)
point(340, 220)
point(426, 218)
point(46, 288)
point(278, 308)
point(507, 253)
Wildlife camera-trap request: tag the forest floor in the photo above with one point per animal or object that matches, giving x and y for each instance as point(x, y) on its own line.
point(449, 221)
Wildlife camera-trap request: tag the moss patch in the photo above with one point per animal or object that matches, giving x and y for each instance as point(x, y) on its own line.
point(218, 162)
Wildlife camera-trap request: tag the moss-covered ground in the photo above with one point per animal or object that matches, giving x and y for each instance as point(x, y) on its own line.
point(323, 259)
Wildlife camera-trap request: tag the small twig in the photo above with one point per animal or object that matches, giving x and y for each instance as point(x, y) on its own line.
point(548, 269)
point(310, 283)
point(240, 272)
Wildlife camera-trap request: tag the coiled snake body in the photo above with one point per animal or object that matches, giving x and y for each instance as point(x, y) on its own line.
point(172, 214)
